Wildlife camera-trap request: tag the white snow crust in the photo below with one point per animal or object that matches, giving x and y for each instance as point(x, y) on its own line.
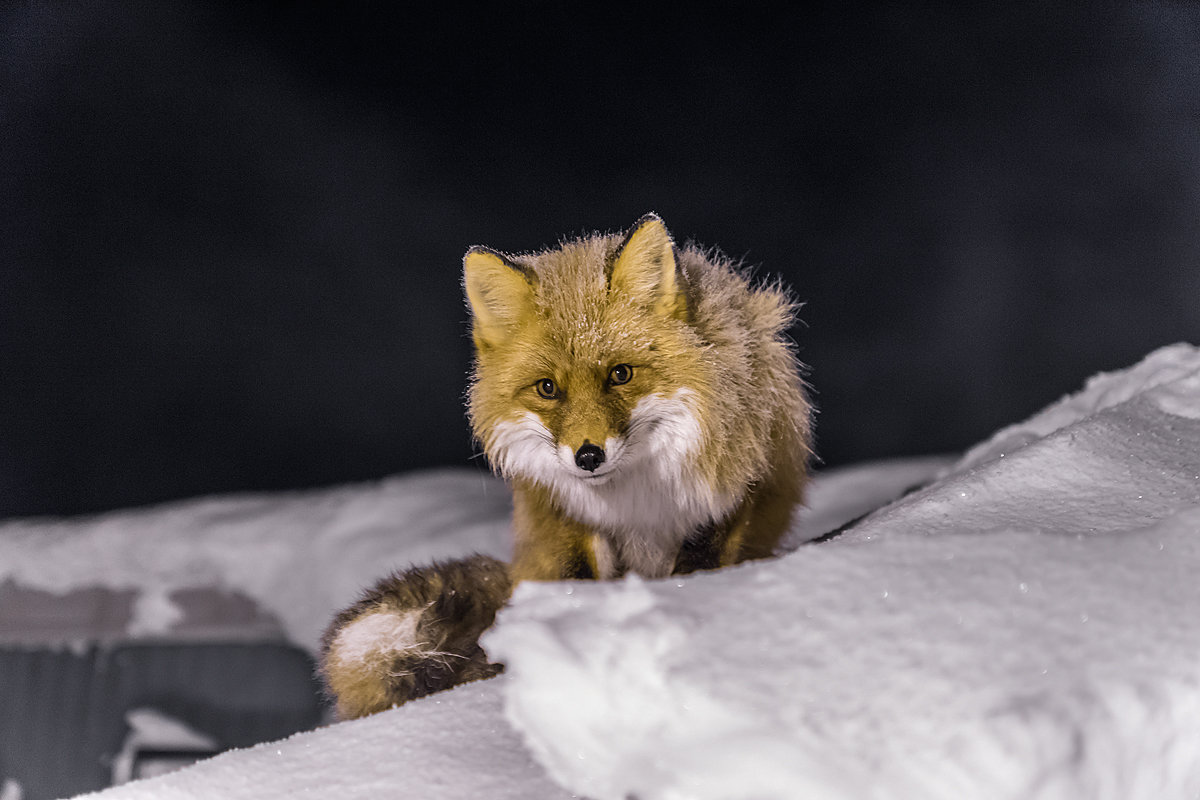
point(451, 745)
point(299, 556)
point(1023, 627)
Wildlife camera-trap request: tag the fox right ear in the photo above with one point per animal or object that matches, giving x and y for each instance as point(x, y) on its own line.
point(499, 292)
point(645, 270)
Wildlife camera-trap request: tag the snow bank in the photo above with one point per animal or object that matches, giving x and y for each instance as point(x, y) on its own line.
point(1119, 455)
point(296, 558)
point(455, 744)
point(280, 565)
point(452, 745)
point(1023, 628)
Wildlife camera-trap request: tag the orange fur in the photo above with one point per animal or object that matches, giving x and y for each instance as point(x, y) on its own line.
point(720, 455)
point(649, 413)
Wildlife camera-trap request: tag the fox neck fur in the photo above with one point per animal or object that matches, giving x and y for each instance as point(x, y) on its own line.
point(650, 498)
point(642, 400)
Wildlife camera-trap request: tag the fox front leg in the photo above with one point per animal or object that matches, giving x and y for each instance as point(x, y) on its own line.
point(548, 545)
point(752, 531)
point(701, 550)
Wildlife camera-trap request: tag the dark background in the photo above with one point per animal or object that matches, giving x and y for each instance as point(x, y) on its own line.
point(231, 235)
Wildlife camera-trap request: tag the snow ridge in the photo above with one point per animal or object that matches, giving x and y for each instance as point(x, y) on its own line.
point(298, 556)
point(1023, 628)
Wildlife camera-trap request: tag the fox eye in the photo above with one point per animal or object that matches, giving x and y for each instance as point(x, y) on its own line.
point(619, 374)
point(547, 388)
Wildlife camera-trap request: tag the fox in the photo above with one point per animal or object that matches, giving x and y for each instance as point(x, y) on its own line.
point(647, 409)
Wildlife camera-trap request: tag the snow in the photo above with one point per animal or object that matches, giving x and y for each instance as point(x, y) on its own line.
point(451, 745)
point(455, 744)
point(1022, 627)
point(299, 557)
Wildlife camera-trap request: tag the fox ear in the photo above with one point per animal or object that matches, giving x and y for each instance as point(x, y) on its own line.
point(499, 292)
point(645, 269)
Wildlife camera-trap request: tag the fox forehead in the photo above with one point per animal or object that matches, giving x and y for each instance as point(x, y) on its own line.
point(575, 319)
point(571, 288)
point(573, 274)
point(587, 346)
point(594, 330)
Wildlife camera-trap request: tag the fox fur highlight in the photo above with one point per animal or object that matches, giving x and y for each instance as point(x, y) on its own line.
point(644, 404)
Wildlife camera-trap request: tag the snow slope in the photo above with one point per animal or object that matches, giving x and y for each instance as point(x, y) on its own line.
point(297, 557)
point(1024, 627)
point(456, 744)
point(452, 745)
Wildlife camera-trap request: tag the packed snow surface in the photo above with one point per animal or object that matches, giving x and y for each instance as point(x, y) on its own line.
point(296, 557)
point(1022, 627)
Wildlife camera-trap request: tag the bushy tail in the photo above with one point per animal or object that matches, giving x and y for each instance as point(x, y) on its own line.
point(414, 633)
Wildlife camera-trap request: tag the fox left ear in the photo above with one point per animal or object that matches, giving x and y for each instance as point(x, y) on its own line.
point(645, 268)
point(499, 292)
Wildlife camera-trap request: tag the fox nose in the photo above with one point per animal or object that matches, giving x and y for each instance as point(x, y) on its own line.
point(589, 457)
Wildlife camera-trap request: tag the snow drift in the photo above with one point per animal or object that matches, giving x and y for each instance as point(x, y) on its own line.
point(1022, 627)
point(257, 565)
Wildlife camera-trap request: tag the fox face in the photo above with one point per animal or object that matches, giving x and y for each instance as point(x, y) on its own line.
point(586, 411)
point(589, 379)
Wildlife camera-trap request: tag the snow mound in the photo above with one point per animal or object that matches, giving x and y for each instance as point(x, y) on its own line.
point(451, 745)
point(1168, 377)
point(1120, 455)
point(297, 557)
point(1023, 628)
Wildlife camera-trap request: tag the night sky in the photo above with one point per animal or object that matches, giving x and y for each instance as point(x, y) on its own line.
point(231, 234)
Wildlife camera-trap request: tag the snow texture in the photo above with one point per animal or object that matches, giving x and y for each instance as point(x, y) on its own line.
point(1022, 627)
point(299, 557)
point(455, 744)
point(452, 745)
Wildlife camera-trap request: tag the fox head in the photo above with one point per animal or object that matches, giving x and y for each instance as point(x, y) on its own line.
point(586, 364)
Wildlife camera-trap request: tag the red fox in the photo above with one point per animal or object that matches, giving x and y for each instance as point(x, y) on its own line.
point(648, 412)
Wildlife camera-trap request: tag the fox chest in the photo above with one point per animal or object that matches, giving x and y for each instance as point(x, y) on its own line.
point(640, 519)
point(646, 497)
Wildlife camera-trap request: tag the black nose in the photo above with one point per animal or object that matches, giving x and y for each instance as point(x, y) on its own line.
point(589, 457)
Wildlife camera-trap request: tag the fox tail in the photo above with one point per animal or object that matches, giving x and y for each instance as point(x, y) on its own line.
point(414, 633)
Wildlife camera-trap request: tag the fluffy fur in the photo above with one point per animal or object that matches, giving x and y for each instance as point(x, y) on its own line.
point(412, 634)
point(706, 445)
point(647, 410)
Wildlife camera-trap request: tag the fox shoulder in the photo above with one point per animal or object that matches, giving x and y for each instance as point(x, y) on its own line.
point(749, 388)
